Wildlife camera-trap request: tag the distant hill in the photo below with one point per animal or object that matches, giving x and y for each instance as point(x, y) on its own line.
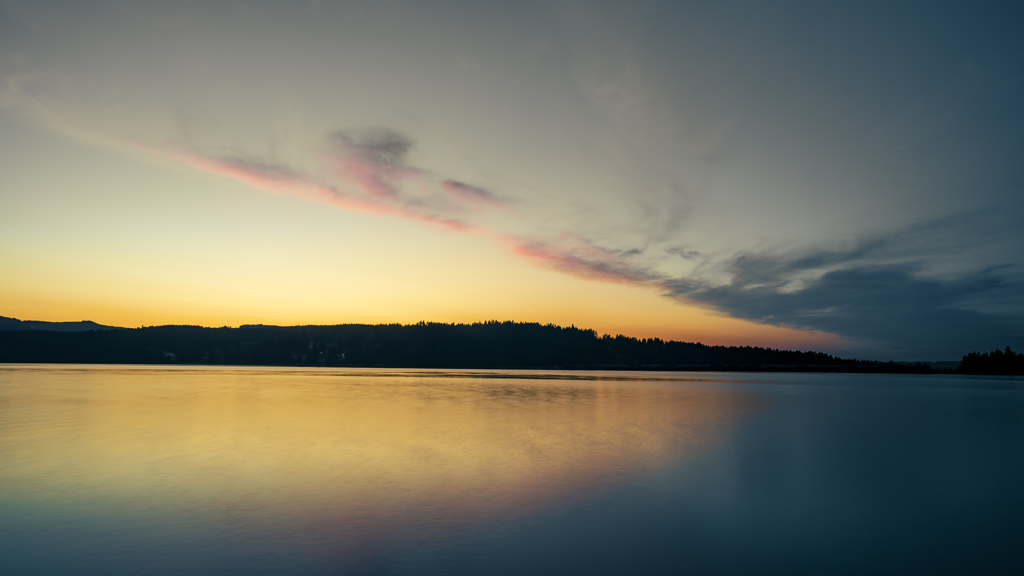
point(7, 324)
point(423, 345)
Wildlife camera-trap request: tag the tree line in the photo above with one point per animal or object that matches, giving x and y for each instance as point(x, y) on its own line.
point(490, 344)
point(998, 362)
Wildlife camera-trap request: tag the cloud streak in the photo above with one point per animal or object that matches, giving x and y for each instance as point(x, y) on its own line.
point(575, 255)
point(898, 295)
point(363, 172)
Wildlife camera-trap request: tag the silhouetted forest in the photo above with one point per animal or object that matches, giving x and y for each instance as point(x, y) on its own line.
point(997, 362)
point(424, 345)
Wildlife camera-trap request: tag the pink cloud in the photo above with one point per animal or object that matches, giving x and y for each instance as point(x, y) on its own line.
point(378, 195)
point(581, 258)
point(369, 175)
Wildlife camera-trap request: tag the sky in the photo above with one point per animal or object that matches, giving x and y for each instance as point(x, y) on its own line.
point(843, 177)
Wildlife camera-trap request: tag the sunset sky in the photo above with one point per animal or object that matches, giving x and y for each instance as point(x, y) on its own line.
point(844, 178)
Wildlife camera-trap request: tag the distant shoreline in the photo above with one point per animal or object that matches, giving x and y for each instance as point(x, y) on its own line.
point(485, 345)
point(488, 345)
point(653, 369)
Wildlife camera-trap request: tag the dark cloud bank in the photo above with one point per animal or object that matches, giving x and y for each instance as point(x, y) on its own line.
point(884, 294)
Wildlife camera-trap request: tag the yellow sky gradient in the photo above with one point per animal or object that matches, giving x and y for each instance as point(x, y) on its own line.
point(287, 290)
point(129, 240)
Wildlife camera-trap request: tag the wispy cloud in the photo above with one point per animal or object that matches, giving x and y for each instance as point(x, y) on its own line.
point(363, 171)
point(367, 171)
point(360, 170)
point(575, 255)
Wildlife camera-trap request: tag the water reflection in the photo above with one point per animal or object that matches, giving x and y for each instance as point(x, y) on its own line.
point(114, 470)
point(340, 465)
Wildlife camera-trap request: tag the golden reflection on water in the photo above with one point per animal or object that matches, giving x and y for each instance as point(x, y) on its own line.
point(339, 457)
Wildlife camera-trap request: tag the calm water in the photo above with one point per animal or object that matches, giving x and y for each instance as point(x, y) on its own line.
point(154, 470)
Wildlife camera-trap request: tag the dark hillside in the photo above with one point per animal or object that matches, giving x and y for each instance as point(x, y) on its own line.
point(424, 345)
point(85, 325)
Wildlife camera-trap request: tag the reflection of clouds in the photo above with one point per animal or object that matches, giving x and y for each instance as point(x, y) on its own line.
point(336, 457)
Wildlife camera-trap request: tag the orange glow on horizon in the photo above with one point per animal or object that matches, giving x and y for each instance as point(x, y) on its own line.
point(647, 315)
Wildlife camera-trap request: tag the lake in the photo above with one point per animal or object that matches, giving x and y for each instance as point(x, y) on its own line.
point(216, 470)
